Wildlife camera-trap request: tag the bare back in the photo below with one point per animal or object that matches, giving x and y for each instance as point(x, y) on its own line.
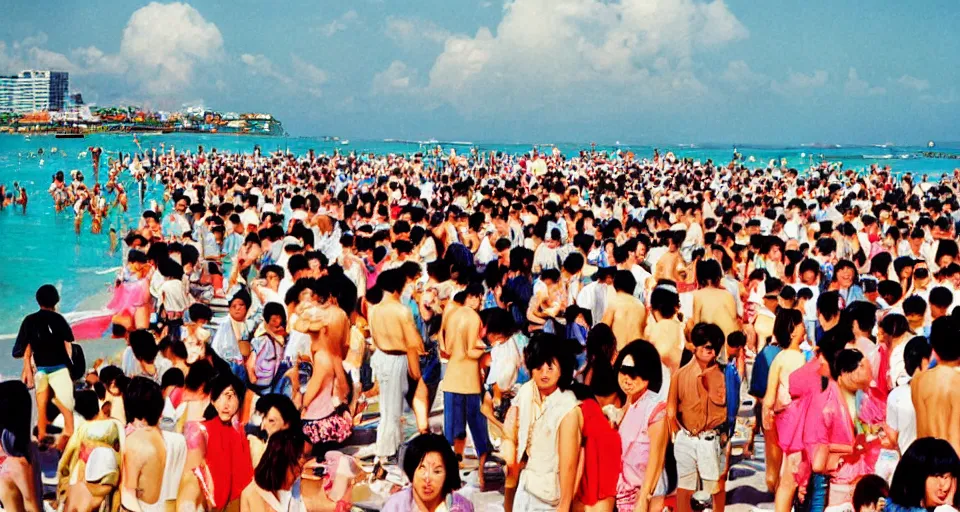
point(385, 321)
point(626, 316)
point(144, 460)
point(935, 394)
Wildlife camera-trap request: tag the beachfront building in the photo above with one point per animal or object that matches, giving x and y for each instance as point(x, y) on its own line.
point(34, 91)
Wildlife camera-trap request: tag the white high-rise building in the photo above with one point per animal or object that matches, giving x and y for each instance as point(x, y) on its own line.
point(33, 91)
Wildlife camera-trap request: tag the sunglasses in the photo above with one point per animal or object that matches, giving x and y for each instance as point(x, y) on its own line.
point(630, 371)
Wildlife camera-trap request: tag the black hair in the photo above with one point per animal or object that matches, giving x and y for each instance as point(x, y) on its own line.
point(17, 407)
point(392, 281)
point(941, 297)
point(172, 377)
point(86, 403)
point(272, 309)
point(709, 272)
point(863, 313)
point(710, 335)
point(143, 400)
point(547, 348)
point(109, 374)
point(868, 491)
point(200, 311)
point(47, 296)
point(200, 375)
point(144, 346)
point(943, 338)
point(914, 305)
point(737, 339)
point(924, 458)
point(646, 363)
point(664, 301)
point(895, 325)
point(218, 386)
point(847, 361)
point(282, 403)
point(417, 450)
point(601, 346)
point(243, 296)
point(828, 305)
point(914, 353)
point(283, 453)
point(499, 321)
point(624, 281)
point(276, 269)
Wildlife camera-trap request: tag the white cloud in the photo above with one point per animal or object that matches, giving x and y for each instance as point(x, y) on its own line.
point(857, 86)
point(262, 66)
point(340, 24)
point(164, 42)
point(397, 78)
point(911, 82)
point(799, 84)
point(40, 58)
point(941, 99)
point(303, 77)
point(411, 30)
point(486, 4)
point(160, 49)
point(39, 39)
point(545, 50)
point(739, 74)
point(93, 60)
point(311, 76)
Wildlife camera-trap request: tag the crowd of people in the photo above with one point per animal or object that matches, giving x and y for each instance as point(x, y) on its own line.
point(600, 328)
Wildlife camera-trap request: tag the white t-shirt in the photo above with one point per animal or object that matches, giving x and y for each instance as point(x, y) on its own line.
point(901, 416)
point(174, 295)
point(504, 365)
point(898, 371)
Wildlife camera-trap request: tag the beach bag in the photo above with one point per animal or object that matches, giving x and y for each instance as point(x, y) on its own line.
point(78, 362)
point(267, 361)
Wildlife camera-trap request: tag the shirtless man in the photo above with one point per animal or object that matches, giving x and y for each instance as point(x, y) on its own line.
point(396, 363)
point(936, 392)
point(148, 485)
point(461, 384)
point(667, 264)
point(336, 335)
point(625, 314)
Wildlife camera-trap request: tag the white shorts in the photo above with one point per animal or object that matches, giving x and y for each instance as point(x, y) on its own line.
point(699, 458)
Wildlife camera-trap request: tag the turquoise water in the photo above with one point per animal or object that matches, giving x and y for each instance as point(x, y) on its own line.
point(41, 246)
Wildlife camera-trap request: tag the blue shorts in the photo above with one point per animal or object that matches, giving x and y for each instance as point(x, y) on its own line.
point(460, 411)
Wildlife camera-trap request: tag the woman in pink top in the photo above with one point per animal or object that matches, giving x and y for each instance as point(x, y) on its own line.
point(326, 418)
point(643, 432)
point(837, 452)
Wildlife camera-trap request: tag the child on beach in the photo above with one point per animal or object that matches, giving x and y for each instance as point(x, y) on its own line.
point(173, 297)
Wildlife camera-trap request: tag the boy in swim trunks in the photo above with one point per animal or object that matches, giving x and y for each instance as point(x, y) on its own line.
point(44, 341)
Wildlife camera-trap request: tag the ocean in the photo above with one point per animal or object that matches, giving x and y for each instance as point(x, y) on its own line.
point(41, 246)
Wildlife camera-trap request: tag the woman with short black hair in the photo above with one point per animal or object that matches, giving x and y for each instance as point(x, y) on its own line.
point(276, 480)
point(925, 478)
point(432, 468)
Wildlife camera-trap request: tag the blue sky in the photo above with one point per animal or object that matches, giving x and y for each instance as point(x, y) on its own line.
point(641, 71)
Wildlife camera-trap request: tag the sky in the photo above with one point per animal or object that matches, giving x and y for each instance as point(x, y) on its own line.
point(530, 71)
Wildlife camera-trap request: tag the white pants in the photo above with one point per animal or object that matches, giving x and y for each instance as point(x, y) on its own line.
point(390, 372)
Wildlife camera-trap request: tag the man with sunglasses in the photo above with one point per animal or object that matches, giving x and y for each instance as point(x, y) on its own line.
point(697, 415)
